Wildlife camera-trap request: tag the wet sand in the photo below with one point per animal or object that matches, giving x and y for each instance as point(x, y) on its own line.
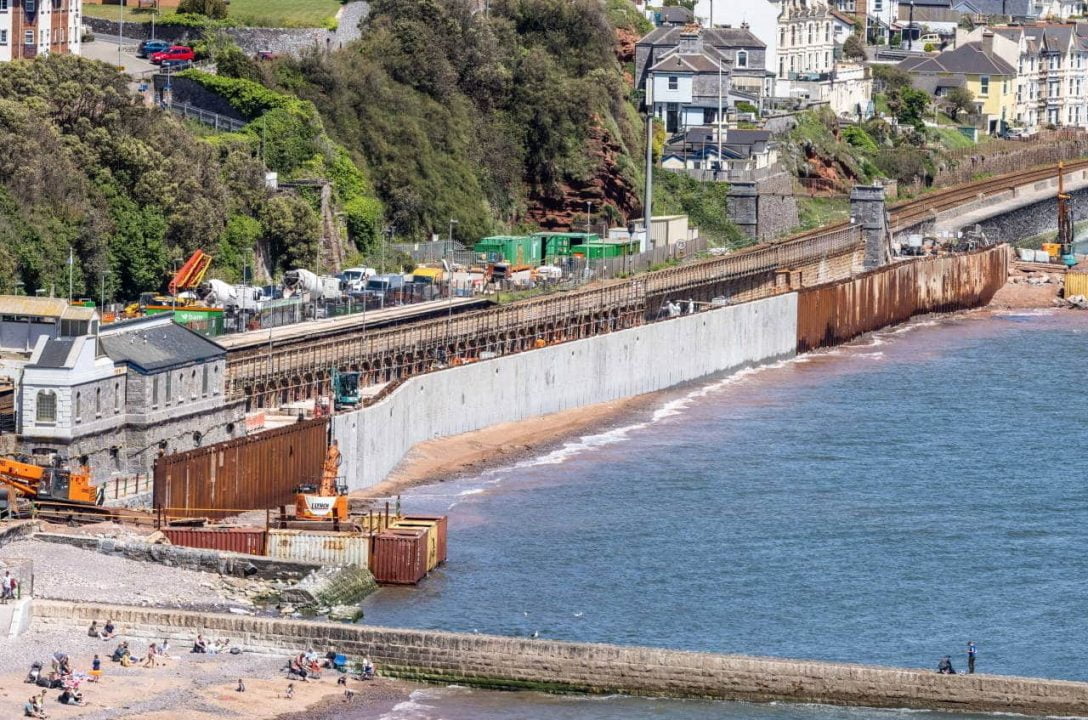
point(449, 458)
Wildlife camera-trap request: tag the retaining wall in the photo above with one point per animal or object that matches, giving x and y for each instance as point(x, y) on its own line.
point(501, 662)
point(599, 369)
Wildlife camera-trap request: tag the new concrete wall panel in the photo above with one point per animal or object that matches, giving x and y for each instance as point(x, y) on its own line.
point(600, 369)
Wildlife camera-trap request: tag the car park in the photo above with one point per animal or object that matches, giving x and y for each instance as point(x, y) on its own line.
point(175, 53)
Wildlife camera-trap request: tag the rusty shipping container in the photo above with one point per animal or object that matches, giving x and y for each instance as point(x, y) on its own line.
point(432, 538)
point(247, 540)
point(399, 558)
point(442, 522)
point(832, 314)
point(247, 473)
point(327, 548)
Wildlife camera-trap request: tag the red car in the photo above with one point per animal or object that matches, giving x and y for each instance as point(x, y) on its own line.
point(178, 53)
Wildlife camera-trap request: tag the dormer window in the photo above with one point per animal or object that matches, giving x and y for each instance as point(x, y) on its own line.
point(30, 5)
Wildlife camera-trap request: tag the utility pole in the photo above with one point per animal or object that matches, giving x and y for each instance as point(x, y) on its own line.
point(154, 12)
point(71, 268)
point(589, 216)
point(648, 198)
point(910, 29)
point(121, 35)
point(719, 111)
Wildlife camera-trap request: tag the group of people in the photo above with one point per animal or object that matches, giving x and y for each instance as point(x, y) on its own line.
point(944, 667)
point(61, 677)
point(308, 665)
point(8, 586)
point(200, 645)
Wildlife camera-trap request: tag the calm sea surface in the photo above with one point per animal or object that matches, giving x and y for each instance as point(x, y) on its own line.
point(882, 503)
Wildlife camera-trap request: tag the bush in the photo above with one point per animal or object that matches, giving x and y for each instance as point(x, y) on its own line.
point(193, 20)
point(364, 220)
point(929, 47)
point(215, 9)
point(854, 48)
point(859, 139)
point(246, 96)
point(746, 107)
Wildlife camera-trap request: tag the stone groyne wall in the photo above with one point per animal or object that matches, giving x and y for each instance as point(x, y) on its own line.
point(599, 369)
point(502, 662)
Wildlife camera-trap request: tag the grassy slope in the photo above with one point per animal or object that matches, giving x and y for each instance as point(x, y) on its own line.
point(256, 13)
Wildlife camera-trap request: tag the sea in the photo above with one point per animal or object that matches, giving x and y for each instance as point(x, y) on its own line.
point(881, 502)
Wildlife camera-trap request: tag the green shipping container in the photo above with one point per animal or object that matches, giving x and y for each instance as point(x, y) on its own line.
point(516, 249)
point(600, 250)
point(562, 244)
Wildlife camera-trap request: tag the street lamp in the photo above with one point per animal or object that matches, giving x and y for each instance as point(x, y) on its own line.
point(121, 36)
point(910, 29)
point(589, 216)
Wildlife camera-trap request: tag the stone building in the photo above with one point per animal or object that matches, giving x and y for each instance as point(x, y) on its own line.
point(743, 53)
point(117, 400)
point(29, 28)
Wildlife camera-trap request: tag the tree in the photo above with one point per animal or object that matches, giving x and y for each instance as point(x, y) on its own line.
point(958, 100)
point(689, 4)
point(909, 106)
point(854, 48)
point(215, 9)
point(292, 229)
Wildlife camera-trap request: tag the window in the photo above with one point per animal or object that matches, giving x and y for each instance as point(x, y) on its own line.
point(3, 5)
point(192, 386)
point(155, 391)
point(827, 31)
point(181, 386)
point(116, 398)
point(827, 60)
point(781, 36)
point(3, 37)
point(28, 37)
point(78, 408)
point(809, 28)
point(215, 390)
point(793, 34)
point(30, 5)
point(46, 411)
point(710, 116)
point(742, 59)
point(169, 387)
point(98, 402)
point(984, 86)
point(782, 67)
point(204, 378)
point(674, 82)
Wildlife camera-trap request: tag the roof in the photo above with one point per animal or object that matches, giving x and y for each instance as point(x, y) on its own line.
point(688, 62)
point(36, 306)
point(951, 82)
point(968, 59)
point(843, 17)
point(719, 37)
point(54, 353)
point(747, 137)
point(675, 14)
point(1014, 8)
point(159, 346)
point(924, 15)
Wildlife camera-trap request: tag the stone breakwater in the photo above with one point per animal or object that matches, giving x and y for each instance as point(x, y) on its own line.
point(515, 663)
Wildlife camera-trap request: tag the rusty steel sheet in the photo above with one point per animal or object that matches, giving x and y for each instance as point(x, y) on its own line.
point(248, 473)
point(831, 314)
point(245, 540)
point(399, 558)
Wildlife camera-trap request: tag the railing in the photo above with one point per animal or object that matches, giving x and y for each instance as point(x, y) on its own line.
point(221, 123)
point(121, 488)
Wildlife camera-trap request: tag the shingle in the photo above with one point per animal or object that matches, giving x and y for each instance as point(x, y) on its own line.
point(55, 353)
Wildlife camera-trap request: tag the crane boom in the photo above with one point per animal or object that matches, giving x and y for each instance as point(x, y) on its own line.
point(36, 481)
point(192, 273)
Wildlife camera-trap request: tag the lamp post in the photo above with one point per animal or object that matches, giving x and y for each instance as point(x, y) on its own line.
point(910, 29)
point(589, 216)
point(449, 283)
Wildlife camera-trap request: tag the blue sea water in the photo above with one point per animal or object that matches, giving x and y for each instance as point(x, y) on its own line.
point(883, 502)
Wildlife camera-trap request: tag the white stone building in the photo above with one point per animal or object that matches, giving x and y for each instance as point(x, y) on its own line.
point(30, 28)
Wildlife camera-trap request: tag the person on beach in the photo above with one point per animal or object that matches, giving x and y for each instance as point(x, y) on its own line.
point(972, 650)
point(241, 686)
point(33, 708)
point(5, 589)
point(944, 667)
point(290, 690)
point(107, 630)
point(120, 651)
point(152, 651)
point(200, 645)
point(93, 630)
point(71, 696)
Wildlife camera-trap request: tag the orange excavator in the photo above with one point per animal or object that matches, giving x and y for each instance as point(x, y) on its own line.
point(50, 483)
point(327, 500)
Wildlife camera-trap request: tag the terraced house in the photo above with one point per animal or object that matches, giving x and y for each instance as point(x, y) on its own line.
point(29, 28)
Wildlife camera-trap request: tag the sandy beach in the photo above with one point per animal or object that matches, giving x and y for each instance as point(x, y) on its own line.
point(448, 458)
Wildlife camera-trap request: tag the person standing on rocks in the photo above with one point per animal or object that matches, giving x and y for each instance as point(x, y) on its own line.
point(972, 651)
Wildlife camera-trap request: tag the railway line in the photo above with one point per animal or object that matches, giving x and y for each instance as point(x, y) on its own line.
point(294, 362)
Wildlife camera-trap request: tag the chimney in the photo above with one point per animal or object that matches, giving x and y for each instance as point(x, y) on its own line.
point(988, 43)
point(690, 40)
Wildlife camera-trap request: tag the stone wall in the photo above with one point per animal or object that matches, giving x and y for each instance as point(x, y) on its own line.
point(281, 41)
point(190, 92)
point(516, 387)
point(502, 662)
point(764, 209)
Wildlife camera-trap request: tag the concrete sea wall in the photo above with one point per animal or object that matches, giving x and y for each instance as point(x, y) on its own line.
point(608, 367)
point(503, 662)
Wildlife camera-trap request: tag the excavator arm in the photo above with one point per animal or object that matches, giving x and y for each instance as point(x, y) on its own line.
point(35, 481)
point(24, 478)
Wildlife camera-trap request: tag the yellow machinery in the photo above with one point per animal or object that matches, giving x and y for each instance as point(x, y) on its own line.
point(327, 500)
point(36, 482)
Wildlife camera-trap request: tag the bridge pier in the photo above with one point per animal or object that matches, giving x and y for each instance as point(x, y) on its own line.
point(868, 211)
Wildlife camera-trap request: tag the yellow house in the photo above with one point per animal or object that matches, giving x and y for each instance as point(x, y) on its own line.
point(973, 65)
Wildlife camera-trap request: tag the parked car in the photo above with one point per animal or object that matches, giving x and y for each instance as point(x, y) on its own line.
point(149, 47)
point(174, 52)
point(175, 64)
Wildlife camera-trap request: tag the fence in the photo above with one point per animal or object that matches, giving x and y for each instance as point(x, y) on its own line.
point(997, 157)
point(221, 123)
point(125, 487)
point(435, 251)
point(257, 471)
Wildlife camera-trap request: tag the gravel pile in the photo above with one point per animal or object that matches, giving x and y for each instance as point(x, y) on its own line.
point(62, 572)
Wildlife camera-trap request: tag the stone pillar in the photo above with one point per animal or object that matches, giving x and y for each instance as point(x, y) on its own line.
point(867, 211)
point(744, 207)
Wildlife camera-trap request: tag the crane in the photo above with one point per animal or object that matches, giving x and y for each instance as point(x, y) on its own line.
point(37, 482)
point(192, 273)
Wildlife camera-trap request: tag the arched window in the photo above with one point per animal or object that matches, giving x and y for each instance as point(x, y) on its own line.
point(742, 59)
point(782, 36)
point(79, 408)
point(98, 402)
point(46, 410)
point(204, 381)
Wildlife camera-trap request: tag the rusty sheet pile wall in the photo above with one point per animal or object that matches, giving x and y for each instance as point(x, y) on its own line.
point(832, 314)
point(258, 471)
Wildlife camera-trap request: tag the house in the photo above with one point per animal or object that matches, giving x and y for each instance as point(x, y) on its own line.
point(29, 28)
point(675, 16)
point(977, 67)
point(939, 19)
point(744, 53)
point(1017, 10)
point(744, 153)
point(873, 18)
point(1051, 60)
point(117, 399)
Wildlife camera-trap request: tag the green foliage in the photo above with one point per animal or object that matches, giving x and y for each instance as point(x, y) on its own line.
point(215, 9)
point(905, 164)
point(892, 77)
point(193, 20)
point(246, 96)
point(233, 63)
point(292, 229)
point(814, 212)
point(623, 14)
point(746, 107)
point(479, 118)
point(705, 204)
point(959, 99)
point(234, 250)
point(860, 139)
point(364, 221)
point(909, 106)
point(929, 47)
point(854, 47)
point(689, 4)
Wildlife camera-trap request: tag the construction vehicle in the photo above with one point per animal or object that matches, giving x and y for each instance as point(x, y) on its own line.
point(191, 274)
point(48, 483)
point(345, 389)
point(1065, 222)
point(327, 500)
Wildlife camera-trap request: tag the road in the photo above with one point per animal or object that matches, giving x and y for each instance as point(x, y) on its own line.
point(105, 50)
